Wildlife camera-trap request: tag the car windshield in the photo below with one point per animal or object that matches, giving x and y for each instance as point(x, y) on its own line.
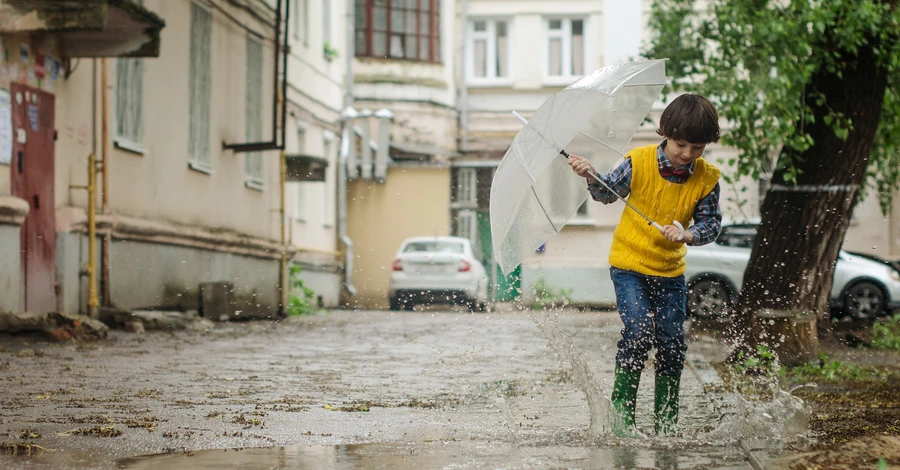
point(434, 247)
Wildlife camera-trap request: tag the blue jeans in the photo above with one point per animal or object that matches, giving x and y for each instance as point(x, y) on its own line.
point(652, 309)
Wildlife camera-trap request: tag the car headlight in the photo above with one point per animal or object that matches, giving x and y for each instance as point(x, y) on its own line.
point(895, 275)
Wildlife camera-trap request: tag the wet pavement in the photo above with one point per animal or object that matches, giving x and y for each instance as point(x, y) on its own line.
point(370, 389)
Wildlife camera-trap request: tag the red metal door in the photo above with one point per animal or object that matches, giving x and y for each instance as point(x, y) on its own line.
point(32, 180)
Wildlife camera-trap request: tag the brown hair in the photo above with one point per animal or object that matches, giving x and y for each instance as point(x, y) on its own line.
point(690, 118)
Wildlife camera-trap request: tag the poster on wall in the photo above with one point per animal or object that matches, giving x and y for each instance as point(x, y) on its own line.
point(6, 131)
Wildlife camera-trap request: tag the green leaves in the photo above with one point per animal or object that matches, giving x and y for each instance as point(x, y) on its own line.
point(756, 59)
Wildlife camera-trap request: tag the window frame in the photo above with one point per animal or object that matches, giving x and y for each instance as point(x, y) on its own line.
point(130, 105)
point(490, 37)
point(566, 53)
point(253, 113)
point(366, 31)
point(201, 162)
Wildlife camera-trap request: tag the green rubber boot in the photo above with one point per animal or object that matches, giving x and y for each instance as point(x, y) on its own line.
point(624, 397)
point(666, 405)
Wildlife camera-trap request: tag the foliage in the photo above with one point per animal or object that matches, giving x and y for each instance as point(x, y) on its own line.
point(761, 364)
point(546, 296)
point(329, 52)
point(834, 370)
point(301, 300)
point(886, 335)
point(756, 59)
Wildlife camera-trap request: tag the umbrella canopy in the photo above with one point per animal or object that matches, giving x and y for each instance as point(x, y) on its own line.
point(534, 192)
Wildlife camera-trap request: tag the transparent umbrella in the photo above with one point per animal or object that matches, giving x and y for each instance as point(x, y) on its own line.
point(534, 192)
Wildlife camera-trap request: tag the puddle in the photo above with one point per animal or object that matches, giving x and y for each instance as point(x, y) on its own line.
point(454, 455)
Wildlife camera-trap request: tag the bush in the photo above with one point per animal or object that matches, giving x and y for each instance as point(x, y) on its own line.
point(301, 300)
point(545, 296)
point(886, 334)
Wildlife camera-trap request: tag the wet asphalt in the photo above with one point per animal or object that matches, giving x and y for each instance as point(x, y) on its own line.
point(349, 389)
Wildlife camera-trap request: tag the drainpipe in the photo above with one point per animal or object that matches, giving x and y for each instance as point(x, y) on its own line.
point(93, 304)
point(463, 83)
point(283, 274)
point(104, 250)
point(346, 141)
point(347, 116)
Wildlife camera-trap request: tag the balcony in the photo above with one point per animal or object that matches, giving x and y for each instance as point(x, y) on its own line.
point(86, 28)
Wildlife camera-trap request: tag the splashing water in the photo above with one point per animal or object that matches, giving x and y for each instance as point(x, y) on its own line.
point(598, 403)
point(773, 414)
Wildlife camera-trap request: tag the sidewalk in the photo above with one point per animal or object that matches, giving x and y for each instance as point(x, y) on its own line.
point(460, 387)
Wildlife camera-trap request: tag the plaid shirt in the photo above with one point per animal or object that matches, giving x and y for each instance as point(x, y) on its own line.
point(707, 214)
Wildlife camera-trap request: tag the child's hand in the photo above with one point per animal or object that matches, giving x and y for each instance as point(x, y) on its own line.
point(672, 233)
point(581, 167)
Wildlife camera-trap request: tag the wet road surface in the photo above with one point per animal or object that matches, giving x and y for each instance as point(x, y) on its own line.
point(353, 389)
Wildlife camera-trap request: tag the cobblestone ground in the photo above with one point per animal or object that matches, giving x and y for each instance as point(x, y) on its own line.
point(352, 389)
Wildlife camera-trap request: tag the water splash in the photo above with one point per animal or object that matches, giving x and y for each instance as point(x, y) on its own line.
point(768, 412)
point(598, 403)
point(505, 409)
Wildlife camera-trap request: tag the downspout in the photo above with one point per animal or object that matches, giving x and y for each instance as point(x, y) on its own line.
point(105, 294)
point(346, 137)
point(463, 81)
point(283, 287)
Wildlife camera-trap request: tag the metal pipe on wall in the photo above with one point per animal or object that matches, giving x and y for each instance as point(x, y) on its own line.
point(283, 273)
point(93, 304)
point(104, 166)
point(463, 82)
point(346, 145)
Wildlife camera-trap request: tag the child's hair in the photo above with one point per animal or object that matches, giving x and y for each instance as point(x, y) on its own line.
point(690, 118)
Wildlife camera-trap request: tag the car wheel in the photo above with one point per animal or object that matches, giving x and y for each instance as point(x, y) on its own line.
point(709, 299)
point(864, 301)
point(394, 303)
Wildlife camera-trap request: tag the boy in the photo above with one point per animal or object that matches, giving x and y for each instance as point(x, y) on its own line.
point(666, 182)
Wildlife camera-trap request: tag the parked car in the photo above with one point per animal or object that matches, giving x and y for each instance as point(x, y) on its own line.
point(437, 270)
point(862, 288)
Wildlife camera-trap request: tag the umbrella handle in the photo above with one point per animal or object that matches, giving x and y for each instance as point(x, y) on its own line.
point(676, 223)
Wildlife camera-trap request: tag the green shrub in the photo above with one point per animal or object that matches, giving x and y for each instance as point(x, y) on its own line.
point(301, 299)
point(886, 334)
point(545, 296)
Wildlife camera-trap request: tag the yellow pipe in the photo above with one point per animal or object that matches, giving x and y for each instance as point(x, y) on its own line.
point(283, 278)
point(93, 303)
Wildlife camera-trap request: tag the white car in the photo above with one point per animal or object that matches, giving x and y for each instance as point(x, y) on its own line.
point(437, 270)
point(863, 287)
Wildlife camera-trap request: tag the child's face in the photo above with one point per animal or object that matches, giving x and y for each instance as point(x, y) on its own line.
point(681, 153)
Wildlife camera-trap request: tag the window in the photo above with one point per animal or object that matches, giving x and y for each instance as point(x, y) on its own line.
point(200, 84)
point(253, 164)
point(466, 187)
point(467, 225)
point(488, 50)
point(564, 48)
point(129, 103)
point(398, 29)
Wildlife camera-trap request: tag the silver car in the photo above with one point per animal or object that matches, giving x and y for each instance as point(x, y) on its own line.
point(863, 287)
point(437, 270)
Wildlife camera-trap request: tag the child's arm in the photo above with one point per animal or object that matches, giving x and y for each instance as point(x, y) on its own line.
point(619, 179)
point(707, 219)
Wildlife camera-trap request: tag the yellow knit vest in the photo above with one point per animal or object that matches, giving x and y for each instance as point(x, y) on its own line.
point(639, 247)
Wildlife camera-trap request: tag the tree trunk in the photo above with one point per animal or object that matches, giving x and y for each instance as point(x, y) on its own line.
point(802, 227)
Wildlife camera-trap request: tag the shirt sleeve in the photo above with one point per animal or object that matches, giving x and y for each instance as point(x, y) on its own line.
point(707, 219)
point(619, 180)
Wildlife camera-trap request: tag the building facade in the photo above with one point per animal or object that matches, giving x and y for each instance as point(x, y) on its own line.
point(189, 196)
